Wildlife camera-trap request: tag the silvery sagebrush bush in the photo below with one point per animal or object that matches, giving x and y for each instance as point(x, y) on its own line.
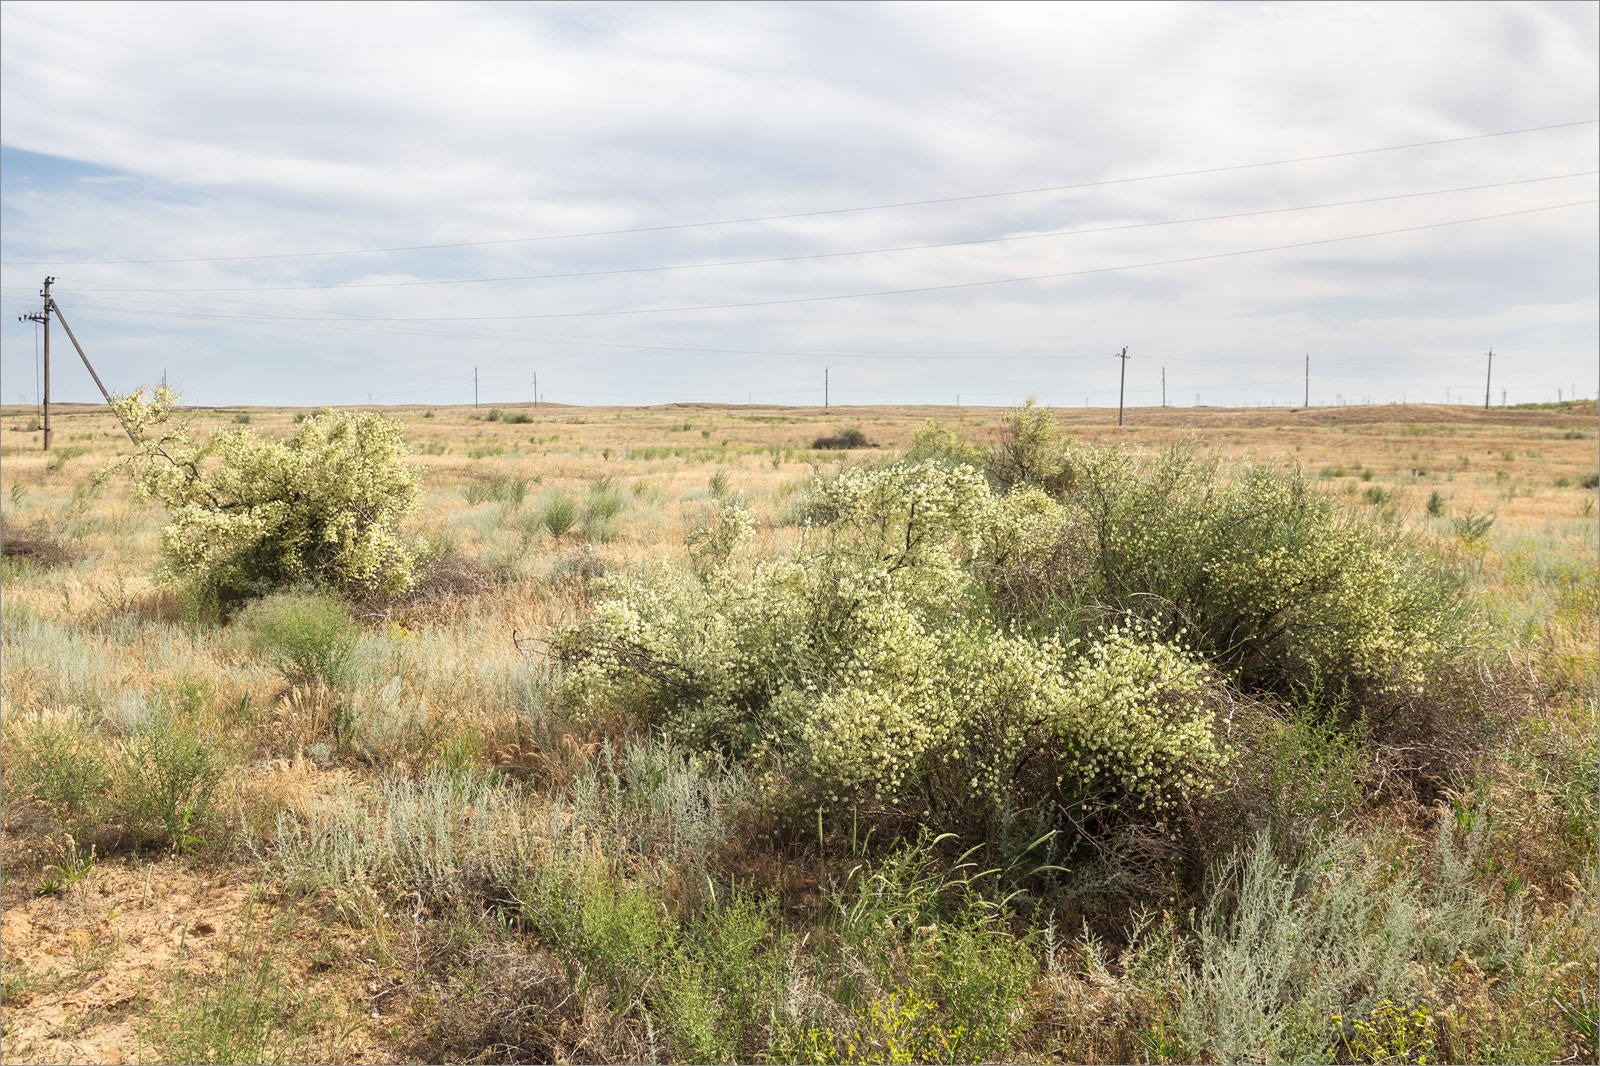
point(250, 513)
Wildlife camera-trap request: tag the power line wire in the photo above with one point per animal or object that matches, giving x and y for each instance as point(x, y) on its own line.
point(1053, 353)
point(996, 281)
point(1074, 232)
point(814, 214)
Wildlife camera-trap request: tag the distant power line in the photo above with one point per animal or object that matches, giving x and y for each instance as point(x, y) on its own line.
point(997, 281)
point(1073, 232)
point(380, 320)
point(811, 214)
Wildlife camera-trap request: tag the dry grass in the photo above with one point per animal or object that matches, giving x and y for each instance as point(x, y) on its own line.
point(441, 687)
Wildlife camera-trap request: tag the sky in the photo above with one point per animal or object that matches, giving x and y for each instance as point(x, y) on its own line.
point(925, 203)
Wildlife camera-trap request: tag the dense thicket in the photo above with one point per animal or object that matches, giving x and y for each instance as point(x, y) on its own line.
point(1063, 638)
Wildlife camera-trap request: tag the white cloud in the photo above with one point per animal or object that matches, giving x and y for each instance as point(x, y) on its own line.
point(223, 130)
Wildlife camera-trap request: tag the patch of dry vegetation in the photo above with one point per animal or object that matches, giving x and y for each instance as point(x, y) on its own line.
point(375, 826)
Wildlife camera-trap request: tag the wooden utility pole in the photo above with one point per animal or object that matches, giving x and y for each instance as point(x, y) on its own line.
point(1163, 386)
point(824, 388)
point(536, 390)
point(1488, 375)
point(44, 316)
point(1308, 380)
point(474, 387)
point(1122, 387)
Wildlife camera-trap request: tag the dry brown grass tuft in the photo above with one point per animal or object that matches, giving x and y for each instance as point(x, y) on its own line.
point(525, 1007)
point(449, 581)
point(36, 547)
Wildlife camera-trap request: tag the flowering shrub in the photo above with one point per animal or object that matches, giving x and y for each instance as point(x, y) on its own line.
point(973, 716)
point(249, 513)
point(947, 651)
point(869, 667)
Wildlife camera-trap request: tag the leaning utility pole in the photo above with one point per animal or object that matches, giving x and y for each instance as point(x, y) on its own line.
point(1487, 377)
point(1123, 386)
point(44, 316)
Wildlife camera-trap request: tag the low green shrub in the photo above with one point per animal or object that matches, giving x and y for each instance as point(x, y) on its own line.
point(305, 635)
point(966, 960)
point(605, 503)
point(843, 440)
point(61, 760)
point(1270, 580)
point(169, 772)
point(1472, 528)
point(498, 487)
point(559, 513)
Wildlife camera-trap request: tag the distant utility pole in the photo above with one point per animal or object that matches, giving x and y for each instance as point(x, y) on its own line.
point(1308, 380)
point(536, 388)
point(1163, 386)
point(824, 388)
point(1488, 375)
point(1123, 385)
point(474, 386)
point(1502, 397)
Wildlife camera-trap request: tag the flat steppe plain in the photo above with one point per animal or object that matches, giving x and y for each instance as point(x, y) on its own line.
point(122, 958)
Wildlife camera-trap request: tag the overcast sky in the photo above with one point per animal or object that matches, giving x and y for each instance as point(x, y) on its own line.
point(267, 155)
